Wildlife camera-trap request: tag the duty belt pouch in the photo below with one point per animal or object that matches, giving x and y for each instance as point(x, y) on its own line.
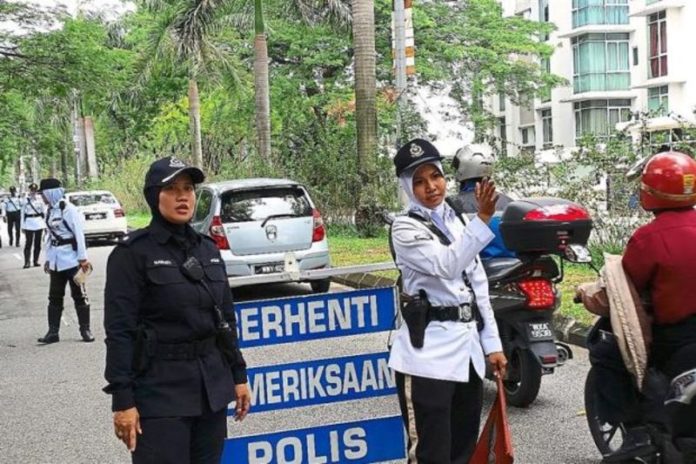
point(224, 340)
point(144, 349)
point(415, 314)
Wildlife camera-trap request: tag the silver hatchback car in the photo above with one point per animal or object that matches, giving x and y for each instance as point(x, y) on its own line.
point(255, 222)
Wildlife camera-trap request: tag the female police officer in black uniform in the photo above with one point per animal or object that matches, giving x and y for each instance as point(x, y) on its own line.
point(172, 361)
point(438, 355)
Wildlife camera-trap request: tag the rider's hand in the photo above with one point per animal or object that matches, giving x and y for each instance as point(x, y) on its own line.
point(499, 363)
point(127, 427)
point(486, 197)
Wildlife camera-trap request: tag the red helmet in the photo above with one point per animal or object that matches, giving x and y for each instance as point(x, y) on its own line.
point(668, 182)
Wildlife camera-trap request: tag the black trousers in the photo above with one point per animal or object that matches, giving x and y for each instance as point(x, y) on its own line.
point(441, 417)
point(13, 222)
point(56, 289)
point(32, 237)
point(182, 440)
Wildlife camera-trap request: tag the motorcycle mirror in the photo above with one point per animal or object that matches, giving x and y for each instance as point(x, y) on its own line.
point(577, 254)
point(637, 169)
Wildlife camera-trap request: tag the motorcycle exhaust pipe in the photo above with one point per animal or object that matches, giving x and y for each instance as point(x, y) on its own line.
point(564, 353)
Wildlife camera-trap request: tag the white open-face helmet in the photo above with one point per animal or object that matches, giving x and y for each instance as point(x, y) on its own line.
point(473, 162)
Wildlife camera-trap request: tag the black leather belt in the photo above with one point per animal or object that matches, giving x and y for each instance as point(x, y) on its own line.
point(32, 215)
point(62, 241)
point(461, 313)
point(183, 351)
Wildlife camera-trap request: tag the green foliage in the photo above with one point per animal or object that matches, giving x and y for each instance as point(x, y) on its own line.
point(131, 77)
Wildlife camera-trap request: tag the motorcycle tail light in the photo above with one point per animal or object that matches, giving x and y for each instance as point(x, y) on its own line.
point(539, 293)
point(217, 232)
point(550, 359)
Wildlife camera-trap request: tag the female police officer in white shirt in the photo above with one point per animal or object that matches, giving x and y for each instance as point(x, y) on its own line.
point(439, 380)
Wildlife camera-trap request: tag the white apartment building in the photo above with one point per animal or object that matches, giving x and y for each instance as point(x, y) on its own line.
point(620, 57)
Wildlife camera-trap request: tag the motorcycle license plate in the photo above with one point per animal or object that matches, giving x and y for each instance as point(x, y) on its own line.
point(539, 331)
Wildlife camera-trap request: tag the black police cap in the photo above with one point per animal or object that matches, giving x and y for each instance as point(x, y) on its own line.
point(49, 183)
point(165, 170)
point(33, 187)
point(415, 153)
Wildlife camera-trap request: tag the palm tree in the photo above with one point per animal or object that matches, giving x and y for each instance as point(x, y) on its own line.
point(185, 35)
point(365, 83)
point(310, 11)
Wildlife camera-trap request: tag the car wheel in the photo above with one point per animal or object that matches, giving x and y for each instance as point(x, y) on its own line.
point(320, 286)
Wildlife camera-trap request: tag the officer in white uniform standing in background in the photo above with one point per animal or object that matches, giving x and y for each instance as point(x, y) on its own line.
point(439, 352)
point(33, 224)
point(66, 254)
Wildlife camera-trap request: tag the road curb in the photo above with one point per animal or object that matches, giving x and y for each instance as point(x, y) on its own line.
point(567, 329)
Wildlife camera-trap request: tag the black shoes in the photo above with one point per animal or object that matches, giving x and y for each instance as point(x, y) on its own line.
point(36, 264)
point(26, 266)
point(86, 335)
point(636, 444)
point(50, 337)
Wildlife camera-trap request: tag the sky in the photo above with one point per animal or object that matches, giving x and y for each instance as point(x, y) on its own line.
point(111, 9)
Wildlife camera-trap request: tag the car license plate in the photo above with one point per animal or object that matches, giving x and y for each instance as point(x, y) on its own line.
point(268, 268)
point(540, 331)
point(95, 216)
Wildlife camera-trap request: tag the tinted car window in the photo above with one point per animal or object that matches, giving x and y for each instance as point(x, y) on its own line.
point(257, 205)
point(205, 198)
point(91, 199)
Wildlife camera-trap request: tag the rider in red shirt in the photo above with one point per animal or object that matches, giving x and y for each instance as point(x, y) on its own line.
point(660, 260)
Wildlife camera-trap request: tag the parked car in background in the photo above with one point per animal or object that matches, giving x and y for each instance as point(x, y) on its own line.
point(255, 222)
point(104, 216)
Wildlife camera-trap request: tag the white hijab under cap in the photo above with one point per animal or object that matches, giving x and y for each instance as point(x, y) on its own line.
point(406, 181)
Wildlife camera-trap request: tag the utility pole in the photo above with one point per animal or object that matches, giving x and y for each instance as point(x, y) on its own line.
point(402, 20)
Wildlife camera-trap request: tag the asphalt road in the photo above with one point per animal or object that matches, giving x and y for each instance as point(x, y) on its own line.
point(52, 409)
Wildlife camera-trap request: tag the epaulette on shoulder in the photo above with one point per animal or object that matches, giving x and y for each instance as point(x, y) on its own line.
point(132, 236)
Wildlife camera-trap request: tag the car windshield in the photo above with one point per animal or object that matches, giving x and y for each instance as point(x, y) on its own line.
point(257, 205)
point(86, 199)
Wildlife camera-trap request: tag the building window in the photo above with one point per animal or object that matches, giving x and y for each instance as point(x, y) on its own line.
point(502, 133)
point(635, 56)
point(544, 16)
point(657, 31)
point(527, 136)
point(545, 93)
point(601, 62)
point(587, 12)
point(547, 128)
point(599, 117)
point(658, 100)
point(501, 102)
point(650, 2)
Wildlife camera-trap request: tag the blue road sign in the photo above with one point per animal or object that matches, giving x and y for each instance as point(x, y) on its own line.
point(374, 440)
point(312, 317)
point(321, 381)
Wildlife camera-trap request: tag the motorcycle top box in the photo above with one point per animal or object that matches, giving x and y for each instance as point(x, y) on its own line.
point(544, 225)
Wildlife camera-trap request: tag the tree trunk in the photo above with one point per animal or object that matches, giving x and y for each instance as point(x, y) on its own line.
point(365, 83)
point(195, 123)
point(261, 85)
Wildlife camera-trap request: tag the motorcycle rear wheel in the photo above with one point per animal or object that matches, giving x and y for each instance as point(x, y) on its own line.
point(523, 380)
point(607, 437)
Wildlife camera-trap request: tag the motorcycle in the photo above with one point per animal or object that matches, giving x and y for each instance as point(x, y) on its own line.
point(524, 298)
point(613, 400)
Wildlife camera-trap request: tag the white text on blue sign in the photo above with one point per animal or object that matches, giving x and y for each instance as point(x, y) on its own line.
point(322, 381)
point(374, 440)
point(286, 320)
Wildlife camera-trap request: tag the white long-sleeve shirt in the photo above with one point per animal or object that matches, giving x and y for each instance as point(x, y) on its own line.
point(425, 263)
point(32, 209)
point(62, 257)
